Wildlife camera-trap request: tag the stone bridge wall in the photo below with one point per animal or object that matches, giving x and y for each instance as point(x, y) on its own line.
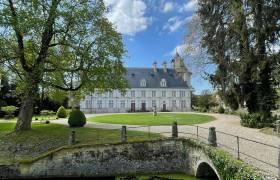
point(109, 160)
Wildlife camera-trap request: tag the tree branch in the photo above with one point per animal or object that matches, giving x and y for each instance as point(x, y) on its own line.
point(48, 32)
point(64, 88)
point(19, 37)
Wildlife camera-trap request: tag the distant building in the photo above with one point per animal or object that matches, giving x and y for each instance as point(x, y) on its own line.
point(166, 89)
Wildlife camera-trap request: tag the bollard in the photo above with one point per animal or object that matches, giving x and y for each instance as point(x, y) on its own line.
point(174, 130)
point(212, 138)
point(72, 138)
point(278, 161)
point(123, 134)
point(277, 125)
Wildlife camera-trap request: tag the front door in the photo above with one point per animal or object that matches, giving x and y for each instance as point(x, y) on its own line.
point(133, 107)
point(143, 107)
point(164, 107)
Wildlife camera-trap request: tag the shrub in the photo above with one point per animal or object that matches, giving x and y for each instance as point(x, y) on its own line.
point(68, 111)
point(61, 112)
point(47, 112)
point(221, 110)
point(9, 111)
point(76, 118)
point(257, 120)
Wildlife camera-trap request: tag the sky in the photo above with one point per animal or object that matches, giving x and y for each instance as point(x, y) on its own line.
point(153, 30)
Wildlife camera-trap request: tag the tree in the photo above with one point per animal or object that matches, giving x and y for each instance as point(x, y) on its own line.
point(238, 36)
point(206, 100)
point(61, 44)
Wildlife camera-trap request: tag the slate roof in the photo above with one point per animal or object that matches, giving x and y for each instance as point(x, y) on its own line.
point(135, 75)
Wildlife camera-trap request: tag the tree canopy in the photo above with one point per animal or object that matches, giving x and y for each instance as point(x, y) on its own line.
point(59, 44)
point(240, 38)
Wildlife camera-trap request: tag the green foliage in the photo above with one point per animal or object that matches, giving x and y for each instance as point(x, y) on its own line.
point(228, 168)
point(68, 111)
point(76, 118)
point(61, 112)
point(47, 112)
point(81, 50)
point(257, 120)
point(205, 101)
point(221, 110)
point(9, 110)
point(239, 40)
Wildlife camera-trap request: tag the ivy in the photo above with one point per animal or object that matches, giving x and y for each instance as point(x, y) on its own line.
point(227, 167)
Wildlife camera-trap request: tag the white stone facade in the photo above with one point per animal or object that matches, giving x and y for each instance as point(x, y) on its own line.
point(143, 99)
point(166, 89)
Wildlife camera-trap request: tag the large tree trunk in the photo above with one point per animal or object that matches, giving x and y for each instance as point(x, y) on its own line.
point(27, 104)
point(25, 115)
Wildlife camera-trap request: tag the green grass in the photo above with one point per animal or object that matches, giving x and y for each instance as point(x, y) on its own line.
point(39, 117)
point(175, 176)
point(45, 137)
point(149, 119)
point(269, 131)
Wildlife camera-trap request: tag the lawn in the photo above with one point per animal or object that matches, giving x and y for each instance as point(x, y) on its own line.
point(177, 176)
point(46, 137)
point(149, 119)
point(38, 117)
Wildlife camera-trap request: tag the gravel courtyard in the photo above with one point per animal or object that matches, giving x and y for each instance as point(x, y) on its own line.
point(223, 123)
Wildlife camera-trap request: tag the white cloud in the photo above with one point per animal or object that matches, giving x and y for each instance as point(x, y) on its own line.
point(168, 6)
point(175, 23)
point(190, 5)
point(128, 16)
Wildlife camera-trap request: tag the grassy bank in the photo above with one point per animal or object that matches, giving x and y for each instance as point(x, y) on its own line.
point(46, 137)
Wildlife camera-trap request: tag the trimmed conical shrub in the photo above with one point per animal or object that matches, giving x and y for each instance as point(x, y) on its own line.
point(61, 112)
point(76, 118)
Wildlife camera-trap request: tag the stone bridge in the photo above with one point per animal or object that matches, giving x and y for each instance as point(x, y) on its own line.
point(166, 156)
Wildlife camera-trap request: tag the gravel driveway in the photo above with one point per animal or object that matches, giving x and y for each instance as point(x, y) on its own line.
point(223, 123)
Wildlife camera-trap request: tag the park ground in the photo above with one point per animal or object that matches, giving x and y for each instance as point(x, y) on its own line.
point(229, 124)
point(223, 123)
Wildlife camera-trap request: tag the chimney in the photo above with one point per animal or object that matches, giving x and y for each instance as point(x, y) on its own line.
point(185, 77)
point(173, 63)
point(155, 67)
point(164, 66)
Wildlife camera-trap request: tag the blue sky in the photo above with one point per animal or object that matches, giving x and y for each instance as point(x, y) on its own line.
point(153, 30)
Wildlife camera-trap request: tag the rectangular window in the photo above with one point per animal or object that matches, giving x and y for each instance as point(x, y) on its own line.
point(99, 104)
point(88, 104)
point(132, 93)
point(173, 103)
point(111, 103)
point(143, 93)
point(182, 94)
point(110, 94)
point(183, 103)
point(122, 104)
point(173, 93)
point(153, 93)
point(163, 93)
point(154, 103)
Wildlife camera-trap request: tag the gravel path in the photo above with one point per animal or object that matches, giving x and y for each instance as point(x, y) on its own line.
point(224, 123)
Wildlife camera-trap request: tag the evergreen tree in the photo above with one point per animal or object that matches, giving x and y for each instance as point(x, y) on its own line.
point(238, 36)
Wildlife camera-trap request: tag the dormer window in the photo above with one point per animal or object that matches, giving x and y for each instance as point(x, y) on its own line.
point(163, 83)
point(143, 83)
